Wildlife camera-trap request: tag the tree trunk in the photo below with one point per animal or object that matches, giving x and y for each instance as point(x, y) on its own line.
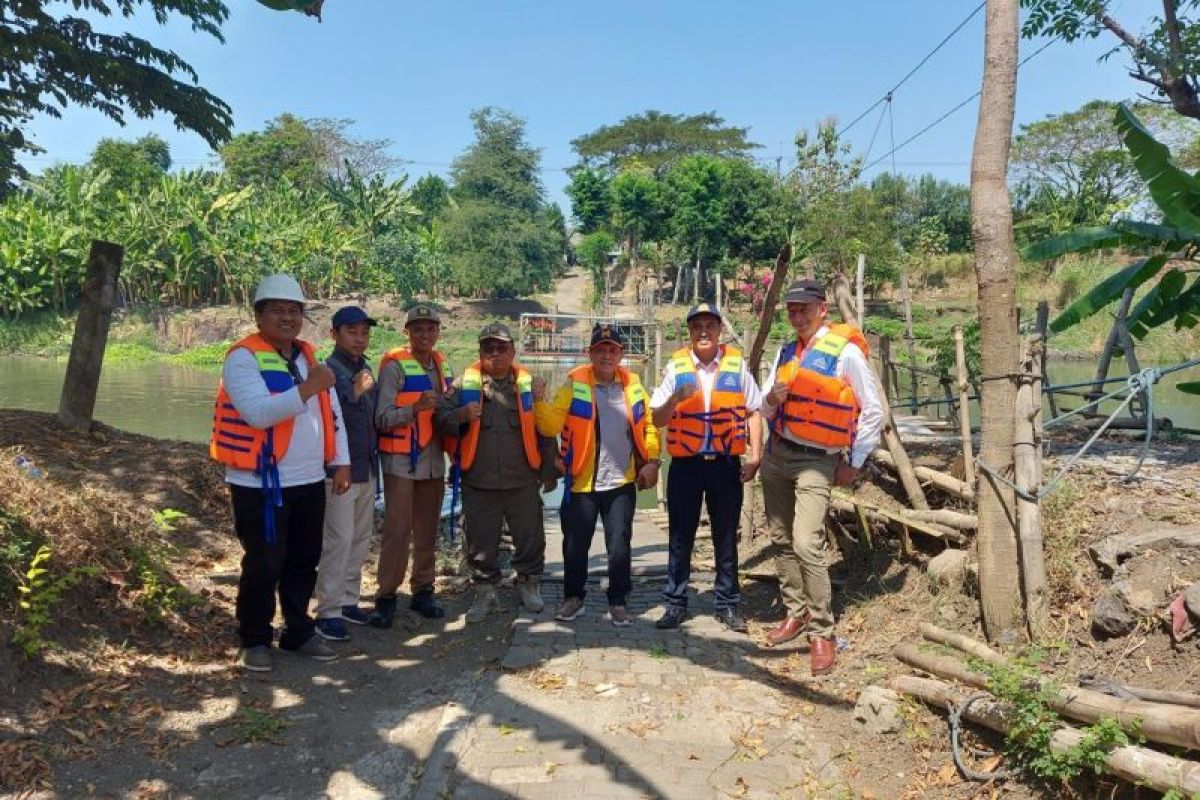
point(964, 406)
point(1027, 467)
point(859, 276)
point(995, 260)
point(768, 310)
point(910, 344)
point(675, 292)
point(78, 399)
point(696, 282)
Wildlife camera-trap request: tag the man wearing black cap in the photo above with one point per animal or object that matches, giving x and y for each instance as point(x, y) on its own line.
point(708, 402)
point(825, 417)
point(505, 463)
point(609, 451)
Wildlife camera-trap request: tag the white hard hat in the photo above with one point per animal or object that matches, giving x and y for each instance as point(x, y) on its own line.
point(279, 287)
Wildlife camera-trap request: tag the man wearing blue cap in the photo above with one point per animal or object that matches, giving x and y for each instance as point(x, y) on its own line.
point(708, 402)
point(349, 517)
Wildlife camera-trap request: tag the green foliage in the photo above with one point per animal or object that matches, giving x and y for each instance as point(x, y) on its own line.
point(132, 167)
point(639, 205)
point(658, 140)
point(1033, 723)
point(430, 196)
point(945, 359)
point(593, 252)
point(158, 593)
point(40, 591)
point(52, 60)
point(591, 196)
point(1108, 290)
point(1189, 387)
point(256, 725)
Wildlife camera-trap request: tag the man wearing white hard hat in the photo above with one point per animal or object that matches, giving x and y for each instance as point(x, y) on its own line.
point(276, 426)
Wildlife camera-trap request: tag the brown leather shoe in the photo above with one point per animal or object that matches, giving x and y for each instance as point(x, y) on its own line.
point(823, 654)
point(789, 629)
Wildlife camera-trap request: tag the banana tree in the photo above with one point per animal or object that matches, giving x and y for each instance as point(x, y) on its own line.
point(1172, 245)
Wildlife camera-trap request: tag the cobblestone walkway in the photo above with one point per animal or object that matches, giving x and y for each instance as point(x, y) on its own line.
point(587, 710)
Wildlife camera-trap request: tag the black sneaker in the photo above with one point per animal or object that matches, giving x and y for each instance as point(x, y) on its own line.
point(731, 618)
point(673, 617)
point(355, 615)
point(424, 603)
point(384, 613)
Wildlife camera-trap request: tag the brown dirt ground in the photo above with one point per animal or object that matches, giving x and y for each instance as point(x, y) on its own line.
point(129, 707)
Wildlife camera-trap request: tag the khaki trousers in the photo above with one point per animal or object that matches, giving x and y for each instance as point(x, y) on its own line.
point(410, 522)
point(349, 523)
point(485, 511)
point(796, 488)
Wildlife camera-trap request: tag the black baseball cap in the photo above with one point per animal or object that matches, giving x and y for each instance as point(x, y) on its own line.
point(496, 330)
point(422, 313)
point(349, 315)
point(703, 308)
point(805, 291)
point(606, 332)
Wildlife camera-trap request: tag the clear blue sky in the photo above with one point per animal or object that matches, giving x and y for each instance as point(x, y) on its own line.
point(411, 72)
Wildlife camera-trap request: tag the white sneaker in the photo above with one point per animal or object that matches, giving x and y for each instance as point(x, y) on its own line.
point(531, 595)
point(485, 603)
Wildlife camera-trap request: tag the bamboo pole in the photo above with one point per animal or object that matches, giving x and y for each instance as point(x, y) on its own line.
point(1138, 765)
point(1027, 470)
point(857, 508)
point(859, 275)
point(885, 366)
point(946, 517)
point(768, 310)
point(1175, 725)
point(1042, 326)
point(891, 439)
point(909, 342)
point(964, 405)
point(946, 483)
point(972, 647)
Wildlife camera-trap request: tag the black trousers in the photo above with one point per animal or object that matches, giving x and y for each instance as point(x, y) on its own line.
point(718, 484)
point(614, 507)
point(288, 566)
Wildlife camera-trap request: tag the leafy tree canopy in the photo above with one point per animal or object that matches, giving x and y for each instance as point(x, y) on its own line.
point(50, 59)
point(591, 199)
point(1166, 56)
point(500, 166)
point(639, 204)
point(132, 166)
point(305, 152)
point(431, 196)
point(658, 140)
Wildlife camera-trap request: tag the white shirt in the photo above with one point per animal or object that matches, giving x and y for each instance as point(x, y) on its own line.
point(706, 374)
point(304, 461)
point(852, 367)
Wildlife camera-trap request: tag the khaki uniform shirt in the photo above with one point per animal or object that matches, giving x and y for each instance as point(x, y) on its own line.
point(431, 462)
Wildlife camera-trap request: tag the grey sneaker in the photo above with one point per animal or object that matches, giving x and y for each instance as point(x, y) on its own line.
point(316, 649)
point(485, 603)
point(531, 595)
point(619, 616)
point(571, 608)
point(256, 659)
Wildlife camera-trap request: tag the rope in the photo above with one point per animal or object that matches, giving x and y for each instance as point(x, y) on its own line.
point(955, 718)
point(1141, 383)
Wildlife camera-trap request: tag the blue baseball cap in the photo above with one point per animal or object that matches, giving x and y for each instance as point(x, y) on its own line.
point(349, 315)
point(703, 308)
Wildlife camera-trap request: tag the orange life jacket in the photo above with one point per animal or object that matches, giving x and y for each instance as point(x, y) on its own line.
point(235, 443)
point(472, 392)
point(401, 439)
point(820, 407)
point(722, 429)
point(578, 448)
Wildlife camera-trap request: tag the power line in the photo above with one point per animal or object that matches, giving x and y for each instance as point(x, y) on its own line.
point(896, 148)
point(887, 97)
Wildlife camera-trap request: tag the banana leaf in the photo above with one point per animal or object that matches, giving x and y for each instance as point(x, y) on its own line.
point(1175, 191)
point(1167, 301)
point(1108, 290)
point(1191, 387)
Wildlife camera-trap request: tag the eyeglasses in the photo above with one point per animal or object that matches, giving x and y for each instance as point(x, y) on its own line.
point(494, 349)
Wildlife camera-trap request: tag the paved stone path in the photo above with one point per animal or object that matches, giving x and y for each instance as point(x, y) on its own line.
point(587, 710)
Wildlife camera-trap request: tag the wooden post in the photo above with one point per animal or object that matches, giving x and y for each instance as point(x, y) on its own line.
point(1137, 408)
point(661, 486)
point(910, 344)
point(1042, 327)
point(885, 365)
point(78, 399)
point(964, 406)
point(891, 439)
point(782, 260)
point(1027, 469)
point(1110, 346)
point(859, 275)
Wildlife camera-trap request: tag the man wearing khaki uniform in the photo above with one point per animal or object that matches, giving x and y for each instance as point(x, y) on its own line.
point(505, 465)
point(825, 416)
point(411, 380)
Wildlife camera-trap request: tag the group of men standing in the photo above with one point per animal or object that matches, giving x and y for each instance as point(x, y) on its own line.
point(305, 444)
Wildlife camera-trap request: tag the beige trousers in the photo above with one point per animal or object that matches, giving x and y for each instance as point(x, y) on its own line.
point(349, 523)
point(410, 523)
point(796, 488)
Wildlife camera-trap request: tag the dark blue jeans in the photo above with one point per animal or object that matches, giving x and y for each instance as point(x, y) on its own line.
point(718, 484)
point(614, 508)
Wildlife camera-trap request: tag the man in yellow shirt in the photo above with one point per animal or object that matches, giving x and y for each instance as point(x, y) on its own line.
point(609, 450)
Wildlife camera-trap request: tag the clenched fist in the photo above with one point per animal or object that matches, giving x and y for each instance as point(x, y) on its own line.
point(320, 378)
point(364, 381)
point(470, 412)
point(425, 401)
